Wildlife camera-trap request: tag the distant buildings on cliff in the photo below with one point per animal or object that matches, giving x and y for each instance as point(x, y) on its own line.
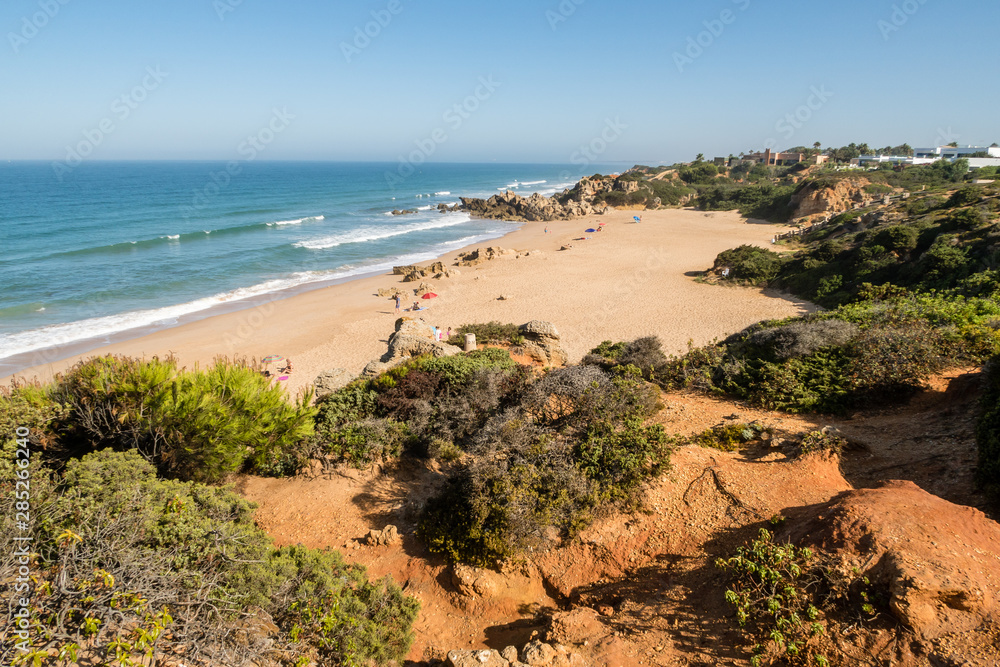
point(978, 156)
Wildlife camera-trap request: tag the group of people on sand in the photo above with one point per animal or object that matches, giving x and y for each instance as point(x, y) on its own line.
point(414, 308)
point(285, 371)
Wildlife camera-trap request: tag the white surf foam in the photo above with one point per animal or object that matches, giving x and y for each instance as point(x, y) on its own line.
point(366, 234)
point(282, 223)
point(99, 328)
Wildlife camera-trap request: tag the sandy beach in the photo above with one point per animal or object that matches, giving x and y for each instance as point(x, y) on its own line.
point(627, 281)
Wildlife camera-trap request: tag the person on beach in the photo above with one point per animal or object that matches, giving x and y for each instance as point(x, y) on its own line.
point(416, 306)
point(449, 333)
point(288, 366)
point(399, 302)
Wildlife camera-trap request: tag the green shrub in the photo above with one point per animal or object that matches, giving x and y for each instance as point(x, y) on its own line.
point(620, 459)
point(968, 218)
point(730, 437)
point(901, 238)
point(966, 196)
point(796, 339)
point(199, 425)
point(122, 557)
point(458, 369)
point(772, 588)
point(750, 264)
point(566, 446)
point(365, 442)
point(490, 333)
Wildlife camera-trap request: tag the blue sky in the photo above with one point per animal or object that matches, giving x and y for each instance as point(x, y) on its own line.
point(193, 79)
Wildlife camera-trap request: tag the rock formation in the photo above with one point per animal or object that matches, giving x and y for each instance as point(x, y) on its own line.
point(386, 537)
point(816, 198)
point(413, 337)
point(542, 343)
point(939, 561)
point(480, 255)
point(536, 208)
point(420, 271)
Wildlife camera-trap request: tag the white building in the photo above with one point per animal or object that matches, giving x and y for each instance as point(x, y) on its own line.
point(866, 160)
point(955, 152)
point(923, 156)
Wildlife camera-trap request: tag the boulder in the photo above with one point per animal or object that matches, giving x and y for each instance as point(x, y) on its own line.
point(484, 658)
point(474, 582)
point(424, 288)
point(542, 343)
point(540, 328)
point(413, 337)
point(940, 562)
point(330, 381)
point(385, 537)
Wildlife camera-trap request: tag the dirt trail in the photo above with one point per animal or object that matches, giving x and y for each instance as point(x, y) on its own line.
point(632, 588)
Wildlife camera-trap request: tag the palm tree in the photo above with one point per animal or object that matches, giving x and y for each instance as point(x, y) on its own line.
point(701, 156)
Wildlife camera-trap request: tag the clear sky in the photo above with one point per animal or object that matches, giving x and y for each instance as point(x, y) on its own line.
point(533, 80)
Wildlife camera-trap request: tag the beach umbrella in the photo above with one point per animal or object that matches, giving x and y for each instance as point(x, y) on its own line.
point(429, 295)
point(590, 231)
point(602, 224)
point(271, 358)
point(636, 218)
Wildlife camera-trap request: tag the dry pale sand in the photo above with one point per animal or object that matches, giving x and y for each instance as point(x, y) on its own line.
point(625, 282)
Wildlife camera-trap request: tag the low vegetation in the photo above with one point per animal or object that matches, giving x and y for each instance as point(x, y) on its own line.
point(788, 601)
point(126, 565)
point(135, 556)
point(571, 446)
point(869, 351)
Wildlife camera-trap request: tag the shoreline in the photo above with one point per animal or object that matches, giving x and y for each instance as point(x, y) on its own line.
point(623, 283)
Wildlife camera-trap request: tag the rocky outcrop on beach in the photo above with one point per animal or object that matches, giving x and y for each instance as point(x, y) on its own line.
point(406, 211)
point(481, 255)
point(413, 337)
point(543, 344)
point(536, 208)
point(412, 273)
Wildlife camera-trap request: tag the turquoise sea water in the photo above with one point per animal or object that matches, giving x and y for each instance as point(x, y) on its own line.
point(114, 248)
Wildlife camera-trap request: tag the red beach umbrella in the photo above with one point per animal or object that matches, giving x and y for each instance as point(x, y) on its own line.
point(429, 295)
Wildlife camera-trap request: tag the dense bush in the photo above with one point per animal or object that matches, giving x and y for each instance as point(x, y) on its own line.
point(750, 264)
point(966, 196)
point(797, 339)
point(861, 354)
point(199, 425)
point(126, 563)
point(765, 201)
point(427, 406)
point(572, 444)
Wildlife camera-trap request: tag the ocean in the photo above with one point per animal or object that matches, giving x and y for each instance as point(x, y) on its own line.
point(111, 250)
